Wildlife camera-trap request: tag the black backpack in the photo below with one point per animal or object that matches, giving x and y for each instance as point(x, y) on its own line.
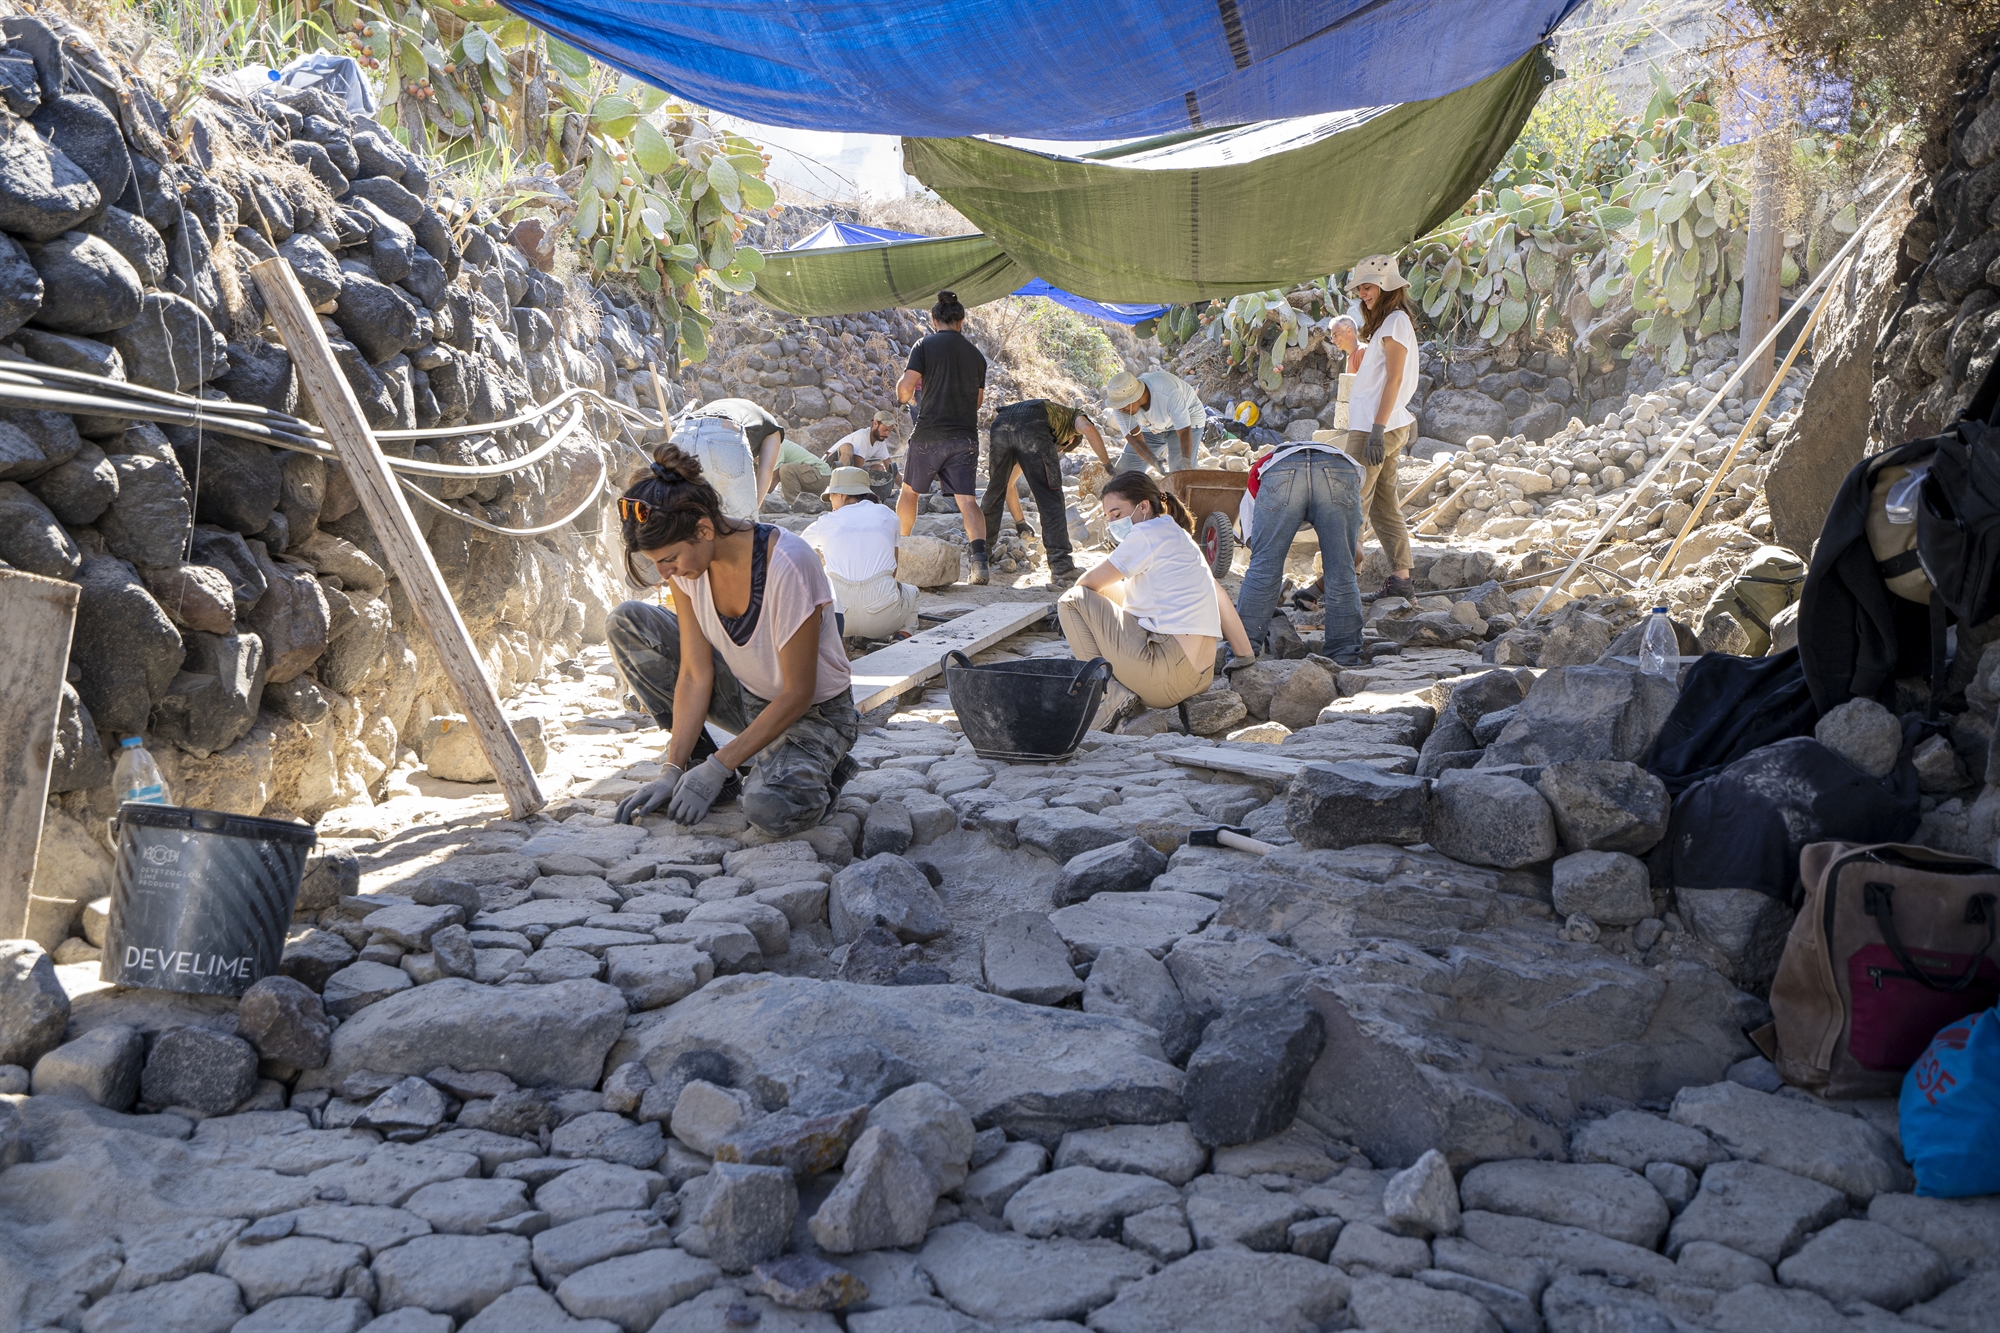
point(1856, 638)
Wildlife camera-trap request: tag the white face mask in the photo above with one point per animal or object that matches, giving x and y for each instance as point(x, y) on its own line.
point(1118, 529)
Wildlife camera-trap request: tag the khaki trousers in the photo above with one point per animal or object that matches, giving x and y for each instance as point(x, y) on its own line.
point(1378, 492)
point(796, 479)
point(877, 608)
point(1150, 665)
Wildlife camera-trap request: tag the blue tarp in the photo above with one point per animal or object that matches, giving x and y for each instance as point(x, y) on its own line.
point(849, 233)
point(1043, 70)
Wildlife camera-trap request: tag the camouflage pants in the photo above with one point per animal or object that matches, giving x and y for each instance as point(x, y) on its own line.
point(790, 784)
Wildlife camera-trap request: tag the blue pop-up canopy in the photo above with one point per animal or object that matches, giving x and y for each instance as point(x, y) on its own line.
point(1039, 69)
point(835, 234)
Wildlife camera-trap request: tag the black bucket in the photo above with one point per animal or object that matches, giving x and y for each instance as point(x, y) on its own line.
point(1031, 711)
point(202, 898)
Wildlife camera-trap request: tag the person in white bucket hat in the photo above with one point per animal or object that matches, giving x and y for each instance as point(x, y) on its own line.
point(1159, 414)
point(1382, 357)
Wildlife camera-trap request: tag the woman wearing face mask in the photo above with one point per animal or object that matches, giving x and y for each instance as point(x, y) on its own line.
point(1151, 609)
point(750, 645)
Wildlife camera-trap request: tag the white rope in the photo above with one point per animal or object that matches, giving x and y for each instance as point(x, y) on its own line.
point(463, 517)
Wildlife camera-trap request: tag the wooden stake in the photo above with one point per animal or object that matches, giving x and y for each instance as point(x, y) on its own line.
point(660, 393)
point(39, 614)
point(389, 515)
point(1421, 487)
point(1763, 258)
point(1665, 570)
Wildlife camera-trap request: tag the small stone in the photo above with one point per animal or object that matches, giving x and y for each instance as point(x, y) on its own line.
point(1755, 1209)
point(1368, 1247)
point(195, 1067)
point(560, 1251)
point(1160, 1232)
point(1130, 866)
point(1611, 888)
point(314, 956)
point(1811, 1141)
point(1854, 1260)
point(1168, 1152)
point(1022, 957)
point(987, 1190)
point(1245, 1079)
point(454, 1275)
point(468, 1207)
point(1424, 1195)
point(805, 1282)
point(704, 1115)
point(609, 1137)
point(1314, 1237)
point(1083, 1202)
point(203, 1303)
point(1608, 1200)
point(626, 1086)
point(1349, 803)
point(452, 949)
point(746, 1215)
point(887, 829)
point(355, 987)
point(884, 1198)
point(101, 1066)
point(1675, 1183)
point(1864, 733)
point(1396, 1305)
point(805, 1146)
point(286, 1022)
point(652, 975)
point(885, 891)
point(34, 1009)
point(1224, 1211)
point(1710, 1265)
point(933, 1126)
point(292, 1266)
point(1490, 819)
point(1127, 982)
point(409, 1106)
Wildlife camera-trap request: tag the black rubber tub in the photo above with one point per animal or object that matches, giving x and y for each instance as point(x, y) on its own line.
point(202, 898)
point(1032, 711)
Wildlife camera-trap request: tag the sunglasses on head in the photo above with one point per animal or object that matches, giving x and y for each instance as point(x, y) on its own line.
point(633, 510)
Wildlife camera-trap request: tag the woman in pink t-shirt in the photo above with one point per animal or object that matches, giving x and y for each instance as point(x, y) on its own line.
point(751, 645)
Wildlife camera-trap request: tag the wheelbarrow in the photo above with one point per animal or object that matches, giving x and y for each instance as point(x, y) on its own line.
point(1212, 496)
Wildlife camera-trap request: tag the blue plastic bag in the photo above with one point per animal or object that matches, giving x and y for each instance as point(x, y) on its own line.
point(1950, 1110)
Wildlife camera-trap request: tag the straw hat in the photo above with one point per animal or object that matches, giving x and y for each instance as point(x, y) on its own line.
point(1380, 270)
point(848, 481)
point(1123, 390)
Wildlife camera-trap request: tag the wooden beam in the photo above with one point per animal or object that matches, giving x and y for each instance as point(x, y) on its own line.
point(1272, 768)
point(39, 614)
point(389, 515)
point(1763, 257)
point(888, 672)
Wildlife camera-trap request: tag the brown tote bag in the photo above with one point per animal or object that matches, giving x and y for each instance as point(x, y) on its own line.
point(1893, 943)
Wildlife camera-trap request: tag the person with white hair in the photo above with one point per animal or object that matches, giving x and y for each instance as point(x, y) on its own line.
point(857, 544)
point(1159, 414)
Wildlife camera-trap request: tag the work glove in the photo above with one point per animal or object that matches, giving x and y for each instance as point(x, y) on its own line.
point(1235, 663)
point(1375, 452)
point(697, 792)
point(649, 797)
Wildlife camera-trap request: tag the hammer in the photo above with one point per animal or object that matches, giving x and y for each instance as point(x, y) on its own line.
point(1224, 836)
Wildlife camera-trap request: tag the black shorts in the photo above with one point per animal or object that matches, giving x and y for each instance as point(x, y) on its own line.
point(954, 464)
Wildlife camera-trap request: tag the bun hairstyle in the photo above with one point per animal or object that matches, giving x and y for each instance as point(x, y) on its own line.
point(948, 309)
point(675, 500)
point(1139, 488)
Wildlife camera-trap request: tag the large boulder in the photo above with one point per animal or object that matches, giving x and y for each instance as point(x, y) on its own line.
point(20, 286)
point(171, 345)
point(926, 562)
point(33, 1008)
point(214, 699)
point(240, 482)
point(1490, 819)
point(540, 1036)
point(379, 319)
point(1605, 805)
point(42, 192)
point(1346, 804)
point(96, 289)
point(1584, 712)
point(125, 647)
point(32, 443)
point(79, 490)
point(1456, 415)
point(147, 521)
point(30, 536)
point(83, 128)
point(291, 617)
point(1037, 1072)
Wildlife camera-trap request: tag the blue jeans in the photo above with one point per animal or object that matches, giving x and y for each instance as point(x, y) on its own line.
point(1164, 444)
point(1323, 489)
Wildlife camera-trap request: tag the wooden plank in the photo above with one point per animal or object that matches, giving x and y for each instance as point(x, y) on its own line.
point(1763, 257)
point(389, 515)
point(1274, 768)
point(39, 614)
point(888, 672)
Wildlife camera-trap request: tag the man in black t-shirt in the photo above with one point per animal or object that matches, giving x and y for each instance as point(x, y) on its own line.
point(946, 379)
point(764, 432)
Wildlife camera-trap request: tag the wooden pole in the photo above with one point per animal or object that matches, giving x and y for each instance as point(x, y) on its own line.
point(39, 614)
point(389, 515)
point(1418, 491)
point(1749, 424)
point(659, 393)
point(1763, 258)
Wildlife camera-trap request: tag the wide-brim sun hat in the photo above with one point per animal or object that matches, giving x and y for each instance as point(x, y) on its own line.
point(1380, 270)
point(848, 481)
point(1123, 390)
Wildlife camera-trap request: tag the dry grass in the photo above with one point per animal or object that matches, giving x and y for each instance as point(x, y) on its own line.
point(925, 217)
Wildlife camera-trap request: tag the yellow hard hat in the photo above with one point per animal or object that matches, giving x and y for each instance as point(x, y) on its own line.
point(1247, 413)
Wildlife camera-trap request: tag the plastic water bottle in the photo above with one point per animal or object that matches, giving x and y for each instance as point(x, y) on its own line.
point(1660, 647)
point(138, 777)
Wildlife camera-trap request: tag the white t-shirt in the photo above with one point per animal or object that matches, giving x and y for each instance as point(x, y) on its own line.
point(857, 541)
point(794, 583)
point(1374, 374)
point(864, 444)
point(1174, 406)
point(1168, 587)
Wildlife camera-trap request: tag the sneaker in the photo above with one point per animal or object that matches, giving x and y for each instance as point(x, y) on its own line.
point(982, 570)
point(1399, 587)
point(1061, 576)
point(1118, 704)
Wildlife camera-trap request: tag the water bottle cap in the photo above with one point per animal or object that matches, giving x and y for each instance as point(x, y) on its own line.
point(129, 742)
point(1659, 610)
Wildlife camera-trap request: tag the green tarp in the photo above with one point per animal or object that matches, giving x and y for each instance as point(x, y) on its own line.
point(854, 279)
point(1186, 217)
point(1216, 215)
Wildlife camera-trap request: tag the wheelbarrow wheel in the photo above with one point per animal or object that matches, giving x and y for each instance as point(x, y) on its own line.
point(1217, 539)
